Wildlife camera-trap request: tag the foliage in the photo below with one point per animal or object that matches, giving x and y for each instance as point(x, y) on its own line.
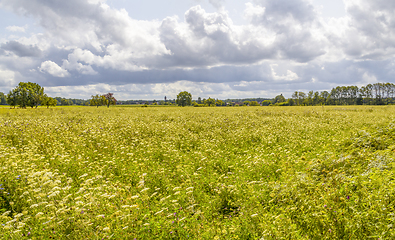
point(279, 99)
point(48, 101)
point(210, 102)
point(110, 99)
point(254, 103)
point(184, 99)
point(197, 173)
point(266, 103)
point(26, 95)
point(98, 100)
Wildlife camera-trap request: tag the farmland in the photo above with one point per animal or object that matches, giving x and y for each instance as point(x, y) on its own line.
point(197, 173)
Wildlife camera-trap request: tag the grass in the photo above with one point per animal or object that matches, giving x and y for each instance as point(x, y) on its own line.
point(197, 173)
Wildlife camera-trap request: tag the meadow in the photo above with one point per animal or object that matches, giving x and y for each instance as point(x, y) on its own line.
point(197, 173)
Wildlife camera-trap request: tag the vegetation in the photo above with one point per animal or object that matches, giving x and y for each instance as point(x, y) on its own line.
point(26, 95)
point(184, 99)
point(103, 100)
point(197, 173)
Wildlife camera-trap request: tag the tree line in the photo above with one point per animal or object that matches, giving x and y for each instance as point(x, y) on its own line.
point(371, 94)
point(32, 95)
point(28, 94)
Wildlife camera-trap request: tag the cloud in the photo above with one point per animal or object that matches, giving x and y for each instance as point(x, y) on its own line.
point(16, 28)
point(53, 69)
point(216, 3)
point(21, 50)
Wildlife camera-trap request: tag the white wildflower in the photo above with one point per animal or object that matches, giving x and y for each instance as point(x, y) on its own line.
point(158, 212)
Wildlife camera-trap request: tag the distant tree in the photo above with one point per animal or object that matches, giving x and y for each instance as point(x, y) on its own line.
point(3, 99)
point(110, 99)
point(184, 99)
point(266, 103)
point(65, 102)
point(254, 103)
point(210, 102)
point(219, 103)
point(199, 101)
point(279, 99)
point(246, 103)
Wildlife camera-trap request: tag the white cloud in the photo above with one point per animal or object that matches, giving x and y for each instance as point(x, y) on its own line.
point(53, 69)
point(16, 28)
point(7, 78)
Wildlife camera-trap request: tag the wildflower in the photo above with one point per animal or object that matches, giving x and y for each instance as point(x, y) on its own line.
point(39, 214)
point(158, 212)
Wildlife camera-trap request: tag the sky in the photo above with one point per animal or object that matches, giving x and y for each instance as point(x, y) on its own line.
point(211, 48)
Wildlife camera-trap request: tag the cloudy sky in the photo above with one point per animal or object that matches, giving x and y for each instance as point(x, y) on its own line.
point(212, 48)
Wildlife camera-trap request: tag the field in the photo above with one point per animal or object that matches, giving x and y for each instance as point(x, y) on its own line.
point(197, 173)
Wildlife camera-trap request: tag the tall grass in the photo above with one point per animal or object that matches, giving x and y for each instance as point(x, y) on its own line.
point(197, 173)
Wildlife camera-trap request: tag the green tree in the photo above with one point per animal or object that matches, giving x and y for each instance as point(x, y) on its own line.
point(3, 99)
point(254, 103)
point(36, 94)
point(65, 102)
point(98, 100)
point(266, 103)
point(279, 99)
point(219, 103)
point(184, 99)
point(48, 101)
point(210, 102)
point(12, 98)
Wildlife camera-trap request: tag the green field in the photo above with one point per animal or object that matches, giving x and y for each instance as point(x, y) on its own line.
point(197, 173)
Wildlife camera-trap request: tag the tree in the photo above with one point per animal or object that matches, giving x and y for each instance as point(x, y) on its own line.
point(254, 103)
point(26, 94)
point(219, 103)
point(65, 102)
point(3, 99)
point(110, 99)
point(98, 100)
point(279, 99)
point(12, 98)
point(48, 101)
point(266, 103)
point(184, 99)
point(36, 94)
point(246, 103)
point(210, 102)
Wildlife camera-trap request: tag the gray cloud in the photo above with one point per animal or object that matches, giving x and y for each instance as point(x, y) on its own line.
point(21, 50)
